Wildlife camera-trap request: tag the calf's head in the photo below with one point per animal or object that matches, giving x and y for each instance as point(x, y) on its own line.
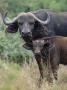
point(39, 46)
point(42, 46)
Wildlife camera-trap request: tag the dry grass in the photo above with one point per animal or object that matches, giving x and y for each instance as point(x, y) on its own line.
point(26, 78)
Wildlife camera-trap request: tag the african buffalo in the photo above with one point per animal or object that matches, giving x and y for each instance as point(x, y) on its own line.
point(45, 53)
point(34, 25)
point(51, 51)
point(25, 23)
point(39, 24)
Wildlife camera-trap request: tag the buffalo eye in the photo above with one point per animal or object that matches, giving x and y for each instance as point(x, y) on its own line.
point(31, 23)
point(20, 23)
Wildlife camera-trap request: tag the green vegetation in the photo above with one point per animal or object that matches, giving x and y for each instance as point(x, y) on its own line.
point(11, 48)
point(8, 74)
point(15, 6)
point(10, 44)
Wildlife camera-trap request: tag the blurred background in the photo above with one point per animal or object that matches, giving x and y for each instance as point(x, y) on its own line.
point(12, 75)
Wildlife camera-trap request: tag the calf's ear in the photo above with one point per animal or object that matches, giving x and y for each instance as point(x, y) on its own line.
point(46, 45)
point(28, 46)
point(12, 28)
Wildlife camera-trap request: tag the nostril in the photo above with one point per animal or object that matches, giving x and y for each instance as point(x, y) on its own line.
point(22, 33)
point(26, 34)
point(29, 34)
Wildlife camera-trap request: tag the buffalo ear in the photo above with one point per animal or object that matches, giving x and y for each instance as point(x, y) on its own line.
point(28, 46)
point(12, 28)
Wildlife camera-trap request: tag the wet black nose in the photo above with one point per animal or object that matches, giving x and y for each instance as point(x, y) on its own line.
point(26, 34)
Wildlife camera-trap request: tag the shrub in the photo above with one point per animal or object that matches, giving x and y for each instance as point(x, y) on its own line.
point(11, 45)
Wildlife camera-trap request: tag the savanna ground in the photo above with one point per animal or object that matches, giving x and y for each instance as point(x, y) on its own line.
point(25, 77)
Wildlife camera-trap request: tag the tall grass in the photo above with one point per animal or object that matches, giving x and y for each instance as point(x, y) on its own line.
point(14, 77)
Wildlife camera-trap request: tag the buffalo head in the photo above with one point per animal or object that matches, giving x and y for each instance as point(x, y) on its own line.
point(25, 23)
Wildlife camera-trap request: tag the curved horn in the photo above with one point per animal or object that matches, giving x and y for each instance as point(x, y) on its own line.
point(10, 22)
point(25, 14)
point(43, 22)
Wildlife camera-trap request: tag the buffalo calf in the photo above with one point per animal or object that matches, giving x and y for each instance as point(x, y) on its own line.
point(52, 52)
point(46, 54)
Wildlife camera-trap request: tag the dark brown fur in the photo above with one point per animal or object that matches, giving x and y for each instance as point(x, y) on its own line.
point(57, 48)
